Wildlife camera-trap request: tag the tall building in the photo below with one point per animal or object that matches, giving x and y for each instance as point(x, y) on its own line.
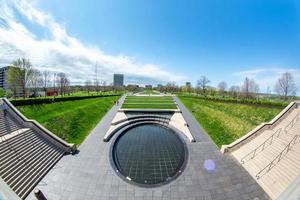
point(188, 84)
point(118, 79)
point(3, 77)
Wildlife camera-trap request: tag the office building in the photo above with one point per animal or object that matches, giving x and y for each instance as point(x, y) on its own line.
point(3, 77)
point(118, 80)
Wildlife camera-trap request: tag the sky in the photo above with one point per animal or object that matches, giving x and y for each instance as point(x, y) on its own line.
point(155, 41)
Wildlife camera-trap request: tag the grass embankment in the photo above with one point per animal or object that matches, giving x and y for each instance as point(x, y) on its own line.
point(149, 102)
point(70, 120)
point(225, 122)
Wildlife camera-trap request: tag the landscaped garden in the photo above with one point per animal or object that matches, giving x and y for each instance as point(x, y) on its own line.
point(226, 121)
point(149, 102)
point(70, 120)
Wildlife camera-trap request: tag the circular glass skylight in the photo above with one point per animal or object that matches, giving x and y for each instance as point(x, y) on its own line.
point(149, 154)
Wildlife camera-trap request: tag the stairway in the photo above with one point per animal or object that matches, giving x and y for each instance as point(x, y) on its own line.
point(275, 181)
point(8, 124)
point(25, 159)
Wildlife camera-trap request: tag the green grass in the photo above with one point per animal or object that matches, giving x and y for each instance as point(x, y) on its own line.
point(149, 92)
point(225, 122)
point(149, 102)
point(70, 120)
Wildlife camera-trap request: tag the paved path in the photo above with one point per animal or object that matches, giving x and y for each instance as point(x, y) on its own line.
point(89, 174)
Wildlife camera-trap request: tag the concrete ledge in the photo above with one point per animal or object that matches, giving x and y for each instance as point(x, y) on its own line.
point(148, 110)
point(34, 125)
point(259, 129)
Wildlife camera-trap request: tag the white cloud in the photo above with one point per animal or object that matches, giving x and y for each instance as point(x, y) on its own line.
point(267, 77)
point(62, 52)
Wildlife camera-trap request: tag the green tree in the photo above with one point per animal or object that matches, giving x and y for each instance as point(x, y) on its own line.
point(13, 80)
point(23, 74)
point(2, 92)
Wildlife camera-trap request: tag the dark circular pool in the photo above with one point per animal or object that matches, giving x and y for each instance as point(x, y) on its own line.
point(149, 154)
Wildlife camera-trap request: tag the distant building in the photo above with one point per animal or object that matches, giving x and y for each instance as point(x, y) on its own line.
point(148, 86)
point(3, 77)
point(118, 80)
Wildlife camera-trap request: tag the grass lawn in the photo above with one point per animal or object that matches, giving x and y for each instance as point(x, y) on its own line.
point(226, 122)
point(70, 120)
point(149, 102)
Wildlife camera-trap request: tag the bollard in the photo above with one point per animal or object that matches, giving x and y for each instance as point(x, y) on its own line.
point(39, 195)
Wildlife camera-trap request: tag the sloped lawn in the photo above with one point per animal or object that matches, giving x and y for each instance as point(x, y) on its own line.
point(226, 122)
point(70, 120)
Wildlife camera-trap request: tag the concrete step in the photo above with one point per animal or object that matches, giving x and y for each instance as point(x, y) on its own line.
point(38, 176)
point(13, 170)
point(23, 186)
point(20, 153)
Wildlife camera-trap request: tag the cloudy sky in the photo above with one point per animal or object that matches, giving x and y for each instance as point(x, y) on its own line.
point(155, 41)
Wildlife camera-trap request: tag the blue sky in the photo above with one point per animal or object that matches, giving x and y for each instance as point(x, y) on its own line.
point(158, 41)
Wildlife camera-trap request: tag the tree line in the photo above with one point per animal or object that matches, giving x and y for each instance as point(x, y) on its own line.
point(285, 88)
point(25, 81)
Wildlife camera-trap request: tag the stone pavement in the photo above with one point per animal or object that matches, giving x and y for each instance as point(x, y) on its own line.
point(89, 175)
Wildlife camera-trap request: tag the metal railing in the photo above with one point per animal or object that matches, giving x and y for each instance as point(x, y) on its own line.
point(269, 140)
point(292, 122)
point(262, 146)
point(277, 159)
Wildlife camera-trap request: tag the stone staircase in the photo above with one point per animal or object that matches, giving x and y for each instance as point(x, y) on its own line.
point(8, 124)
point(27, 151)
point(272, 157)
point(25, 159)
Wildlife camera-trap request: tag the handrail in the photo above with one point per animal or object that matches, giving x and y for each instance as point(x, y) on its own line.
point(292, 122)
point(268, 167)
point(254, 151)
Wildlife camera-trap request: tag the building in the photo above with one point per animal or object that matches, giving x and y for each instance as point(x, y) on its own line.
point(3, 77)
point(188, 84)
point(118, 80)
point(148, 87)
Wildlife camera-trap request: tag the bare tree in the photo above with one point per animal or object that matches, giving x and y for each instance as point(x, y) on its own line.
point(222, 87)
point(24, 74)
point(234, 91)
point(63, 82)
point(249, 88)
point(46, 81)
point(202, 83)
point(88, 86)
point(35, 81)
point(285, 85)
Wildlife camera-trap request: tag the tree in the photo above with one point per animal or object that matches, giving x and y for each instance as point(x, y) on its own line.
point(88, 86)
point(13, 80)
point(249, 88)
point(285, 85)
point(2, 93)
point(46, 80)
point(222, 87)
point(202, 83)
point(24, 73)
point(234, 91)
point(36, 81)
point(63, 83)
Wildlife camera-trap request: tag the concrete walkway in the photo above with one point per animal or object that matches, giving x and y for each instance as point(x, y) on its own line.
point(208, 175)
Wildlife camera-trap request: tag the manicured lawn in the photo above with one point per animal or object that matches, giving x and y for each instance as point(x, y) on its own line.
point(149, 102)
point(226, 122)
point(70, 120)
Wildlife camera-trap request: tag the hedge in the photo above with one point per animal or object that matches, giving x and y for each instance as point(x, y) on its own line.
point(244, 101)
point(23, 102)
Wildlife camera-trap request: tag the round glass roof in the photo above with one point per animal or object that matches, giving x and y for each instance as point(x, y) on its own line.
point(149, 154)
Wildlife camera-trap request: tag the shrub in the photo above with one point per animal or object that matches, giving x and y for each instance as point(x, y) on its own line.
point(23, 102)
